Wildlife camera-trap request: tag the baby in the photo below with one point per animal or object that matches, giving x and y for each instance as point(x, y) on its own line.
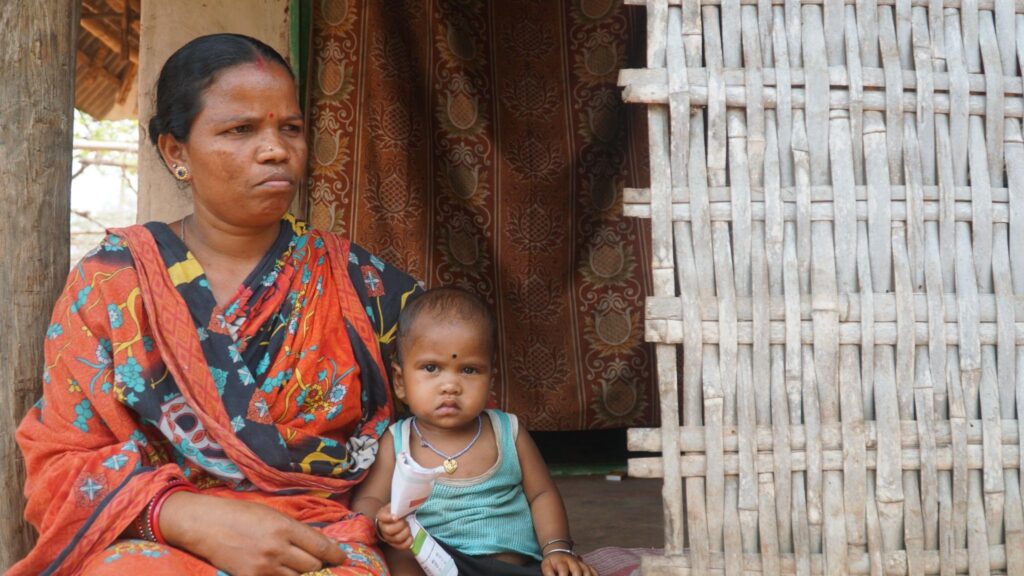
point(495, 509)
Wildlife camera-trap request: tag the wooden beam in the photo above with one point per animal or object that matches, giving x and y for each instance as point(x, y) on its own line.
point(102, 15)
point(117, 7)
point(36, 102)
point(95, 71)
point(127, 81)
point(126, 33)
point(109, 35)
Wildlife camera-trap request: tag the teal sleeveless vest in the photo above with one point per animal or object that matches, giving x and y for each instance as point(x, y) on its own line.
point(487, 514)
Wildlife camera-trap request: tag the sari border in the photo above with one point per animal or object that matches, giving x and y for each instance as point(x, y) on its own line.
point(100, 508)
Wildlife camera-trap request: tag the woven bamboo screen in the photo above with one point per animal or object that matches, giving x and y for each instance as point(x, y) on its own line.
point(837, 208)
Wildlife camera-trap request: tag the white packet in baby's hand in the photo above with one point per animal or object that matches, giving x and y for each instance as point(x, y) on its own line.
point(411, 485)
point(434, 560)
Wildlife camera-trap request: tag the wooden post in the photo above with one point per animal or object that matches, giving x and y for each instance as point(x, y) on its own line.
point(37, 50)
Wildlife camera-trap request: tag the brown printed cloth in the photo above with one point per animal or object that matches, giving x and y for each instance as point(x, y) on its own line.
point(485, 145)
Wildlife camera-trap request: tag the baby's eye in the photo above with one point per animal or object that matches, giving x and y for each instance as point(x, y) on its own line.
point(470, 370)
point(430, 368)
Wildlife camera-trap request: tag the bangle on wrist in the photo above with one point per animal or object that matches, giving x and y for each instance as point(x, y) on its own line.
point(151, 525)
point(376, 529)
point(138, 525)
point(562, 550)
point(567, 541)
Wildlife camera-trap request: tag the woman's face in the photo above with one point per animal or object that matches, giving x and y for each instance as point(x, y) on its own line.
point(247, 148)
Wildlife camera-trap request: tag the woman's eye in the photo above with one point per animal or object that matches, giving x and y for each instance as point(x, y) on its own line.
point(293, 128)
point(243, 129)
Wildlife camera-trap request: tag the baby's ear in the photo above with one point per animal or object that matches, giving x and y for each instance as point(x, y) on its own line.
point(398, 381)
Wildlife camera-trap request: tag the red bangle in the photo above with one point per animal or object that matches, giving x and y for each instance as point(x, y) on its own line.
point(153, 518)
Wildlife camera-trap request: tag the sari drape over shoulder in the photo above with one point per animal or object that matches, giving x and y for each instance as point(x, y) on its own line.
point(277, 397)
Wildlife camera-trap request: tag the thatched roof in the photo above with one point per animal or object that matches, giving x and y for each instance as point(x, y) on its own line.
point(107, 62)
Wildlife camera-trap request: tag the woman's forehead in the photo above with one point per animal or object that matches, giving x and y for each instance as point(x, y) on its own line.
point(249, 83)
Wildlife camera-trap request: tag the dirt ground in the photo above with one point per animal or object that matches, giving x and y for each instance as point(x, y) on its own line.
point(626, 513)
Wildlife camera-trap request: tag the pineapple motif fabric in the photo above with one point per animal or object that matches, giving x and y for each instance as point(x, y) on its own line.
point(472, 146)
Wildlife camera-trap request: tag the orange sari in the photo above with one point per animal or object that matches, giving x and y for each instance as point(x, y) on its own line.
point(278, 397)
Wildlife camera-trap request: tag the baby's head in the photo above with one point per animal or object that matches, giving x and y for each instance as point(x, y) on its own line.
point(444, 353)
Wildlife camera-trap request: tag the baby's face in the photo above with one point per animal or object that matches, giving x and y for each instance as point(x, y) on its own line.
point(445, 373)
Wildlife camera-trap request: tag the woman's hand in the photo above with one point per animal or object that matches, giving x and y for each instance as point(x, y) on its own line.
point(245, 538)
point(393, 530)
point(563, 564)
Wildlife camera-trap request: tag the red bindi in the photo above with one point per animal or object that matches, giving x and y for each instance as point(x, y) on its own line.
point(271, 115)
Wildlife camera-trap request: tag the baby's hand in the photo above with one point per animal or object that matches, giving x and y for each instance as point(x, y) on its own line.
point(565, 564)
point(392, 529)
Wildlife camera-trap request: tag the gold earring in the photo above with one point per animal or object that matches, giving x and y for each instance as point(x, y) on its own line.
point(181, 173)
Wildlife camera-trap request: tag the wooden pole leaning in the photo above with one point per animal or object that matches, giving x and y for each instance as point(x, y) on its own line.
point(37, 55)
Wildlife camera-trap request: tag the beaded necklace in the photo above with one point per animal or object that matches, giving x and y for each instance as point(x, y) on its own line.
point(450, 462)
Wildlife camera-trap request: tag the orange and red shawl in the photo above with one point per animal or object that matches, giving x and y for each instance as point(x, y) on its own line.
point(279, 396)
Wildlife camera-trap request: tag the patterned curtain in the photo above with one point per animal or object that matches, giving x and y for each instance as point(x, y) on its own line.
point(485, 145)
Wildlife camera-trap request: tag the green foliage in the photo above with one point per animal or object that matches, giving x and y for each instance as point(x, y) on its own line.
point(121, 131)
point(89, 128)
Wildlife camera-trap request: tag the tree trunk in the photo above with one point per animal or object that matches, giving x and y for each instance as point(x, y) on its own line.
point(37, 49)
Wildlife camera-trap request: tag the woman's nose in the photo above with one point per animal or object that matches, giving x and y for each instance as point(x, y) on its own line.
point(272, 150)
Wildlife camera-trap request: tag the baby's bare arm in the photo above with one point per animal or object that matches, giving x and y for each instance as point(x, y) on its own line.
point(375, 489)
point(549, 517)
point(550, 521)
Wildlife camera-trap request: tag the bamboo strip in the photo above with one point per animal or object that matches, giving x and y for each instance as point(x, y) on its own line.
point(869, 78)
point(816, 194)
point(895, 564)
point(850, 333)
point(838, 98)
point(832, 462)
point(925, 417)
point(1018, 5)
point(854, 71)
point(824, 286)
point(784, 382)
point(849, 306)
point(963, 211)
point(691, 438)
point(812, 421)
point(714, 397)
point(739, 31)
point(663, 274)
point(695, 357)
point(994, 101)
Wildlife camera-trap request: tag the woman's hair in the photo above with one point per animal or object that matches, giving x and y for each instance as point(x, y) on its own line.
point(445, 304)
point(191, 70)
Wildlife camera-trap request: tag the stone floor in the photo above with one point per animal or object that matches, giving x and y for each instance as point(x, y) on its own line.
point(626, 513)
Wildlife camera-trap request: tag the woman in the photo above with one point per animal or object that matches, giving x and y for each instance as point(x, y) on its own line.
point(214, 387)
